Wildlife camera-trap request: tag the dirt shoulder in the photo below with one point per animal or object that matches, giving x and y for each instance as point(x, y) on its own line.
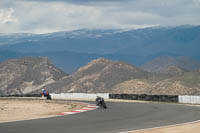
point(26, 109)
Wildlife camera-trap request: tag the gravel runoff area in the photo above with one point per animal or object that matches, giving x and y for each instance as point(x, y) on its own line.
point(15, 109)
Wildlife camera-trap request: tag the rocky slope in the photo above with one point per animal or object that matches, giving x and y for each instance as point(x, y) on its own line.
point(25, 75)
point(162, 63)
point(98, 76)
point(188, 83)
point(173, 70)
point(135, 86)
point(101, 75)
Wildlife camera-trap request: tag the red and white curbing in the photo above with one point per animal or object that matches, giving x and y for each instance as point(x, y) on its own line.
point(89, 108)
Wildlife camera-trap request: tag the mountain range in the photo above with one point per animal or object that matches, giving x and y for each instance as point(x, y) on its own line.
point(102, 75)
point(30, 75)
point(157, 60)
point(70, 50)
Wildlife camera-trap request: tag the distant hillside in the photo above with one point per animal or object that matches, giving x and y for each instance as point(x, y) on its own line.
point(186, 84)
point(173, 70)
point(134, 86)
point(98, 76)
point(25, 75)
point(101, 75)
point(160, 64)
point(134, 46)
point(69, 61)
point(181, 40)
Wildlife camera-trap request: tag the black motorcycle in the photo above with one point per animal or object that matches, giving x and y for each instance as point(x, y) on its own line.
point(100, 102)
point(48, 97)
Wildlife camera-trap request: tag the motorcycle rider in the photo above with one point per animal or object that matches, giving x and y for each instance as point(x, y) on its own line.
point(46, 94)
point(100, 102)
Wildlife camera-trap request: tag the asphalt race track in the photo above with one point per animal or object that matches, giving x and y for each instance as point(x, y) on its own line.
point(117, 118)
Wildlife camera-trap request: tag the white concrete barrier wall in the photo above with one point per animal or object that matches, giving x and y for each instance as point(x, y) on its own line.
point(79, 96)
point(189, 99)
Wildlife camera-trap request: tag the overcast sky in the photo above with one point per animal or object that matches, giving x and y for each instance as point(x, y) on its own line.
point(43, 16)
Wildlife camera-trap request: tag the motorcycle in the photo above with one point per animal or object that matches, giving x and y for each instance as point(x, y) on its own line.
point(100, 102)
point(48, 97)
point(46, 94)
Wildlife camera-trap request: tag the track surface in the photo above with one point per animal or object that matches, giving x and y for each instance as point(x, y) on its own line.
point(117, 118)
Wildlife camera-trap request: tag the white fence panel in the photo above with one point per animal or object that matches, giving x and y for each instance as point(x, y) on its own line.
point(79, 96)
point(189, 99)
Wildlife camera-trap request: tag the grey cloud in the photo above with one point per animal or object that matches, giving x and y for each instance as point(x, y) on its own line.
point(80, 1)
point(54, 15)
